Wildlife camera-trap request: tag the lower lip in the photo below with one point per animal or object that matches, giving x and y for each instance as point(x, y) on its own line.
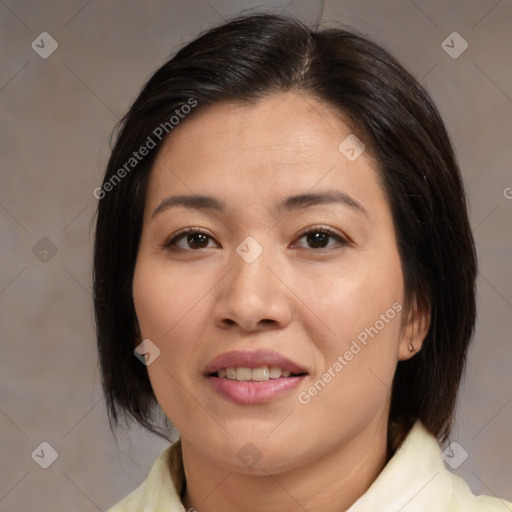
point(251, 392)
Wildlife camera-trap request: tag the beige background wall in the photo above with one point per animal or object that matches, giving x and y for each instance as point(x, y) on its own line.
point(56, 118)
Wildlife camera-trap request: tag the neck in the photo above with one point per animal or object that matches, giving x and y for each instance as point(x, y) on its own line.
point(331, 482)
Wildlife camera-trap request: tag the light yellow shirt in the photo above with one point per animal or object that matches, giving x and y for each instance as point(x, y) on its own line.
point(414, 480)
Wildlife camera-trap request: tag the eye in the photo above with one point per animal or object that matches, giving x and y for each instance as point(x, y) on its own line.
point(188, 239)
point(321, 238)
point(192, 239)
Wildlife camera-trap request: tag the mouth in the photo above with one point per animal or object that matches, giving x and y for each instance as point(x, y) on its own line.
point(258, 374)
point(253, 377)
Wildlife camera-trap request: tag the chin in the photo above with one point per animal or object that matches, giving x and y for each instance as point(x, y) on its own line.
point(273, 463)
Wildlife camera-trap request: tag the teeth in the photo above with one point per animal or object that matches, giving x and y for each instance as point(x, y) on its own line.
point(259, 374)
point(275, 372)
point(243, 373)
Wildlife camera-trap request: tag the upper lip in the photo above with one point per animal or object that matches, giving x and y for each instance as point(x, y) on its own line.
point(252, 359)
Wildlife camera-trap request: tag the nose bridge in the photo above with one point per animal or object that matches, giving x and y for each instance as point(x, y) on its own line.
point(252, 295)
point(250, 275)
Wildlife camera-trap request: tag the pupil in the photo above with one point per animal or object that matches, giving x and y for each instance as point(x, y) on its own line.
point(318, 239)
point(198, 240)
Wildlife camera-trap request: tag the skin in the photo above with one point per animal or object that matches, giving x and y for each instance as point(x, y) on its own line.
point(304, 302)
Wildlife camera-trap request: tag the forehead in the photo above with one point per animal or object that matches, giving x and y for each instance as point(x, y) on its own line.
point(289, 124)
point(283, 144)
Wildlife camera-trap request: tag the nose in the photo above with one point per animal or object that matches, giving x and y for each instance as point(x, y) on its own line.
point(252, 298)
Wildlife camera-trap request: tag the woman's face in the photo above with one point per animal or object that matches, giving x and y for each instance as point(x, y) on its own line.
point(289, 265)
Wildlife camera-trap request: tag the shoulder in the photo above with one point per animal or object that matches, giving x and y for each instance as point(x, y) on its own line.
point(416, 480)
point(161, 489)
point(463, 499)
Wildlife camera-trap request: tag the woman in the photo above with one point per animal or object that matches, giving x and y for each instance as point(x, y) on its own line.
point(283, 242)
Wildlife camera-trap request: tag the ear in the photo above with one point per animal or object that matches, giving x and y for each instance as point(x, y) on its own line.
point(414, 331)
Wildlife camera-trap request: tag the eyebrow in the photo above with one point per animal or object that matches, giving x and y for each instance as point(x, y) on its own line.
point(295, 202)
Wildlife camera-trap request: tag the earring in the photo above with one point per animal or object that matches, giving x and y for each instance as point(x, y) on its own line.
point(411, 347)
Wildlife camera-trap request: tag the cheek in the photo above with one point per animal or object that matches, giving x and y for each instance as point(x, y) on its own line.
point(357, 300)
point(363, 310)
point(169, 307)
point(164, 299)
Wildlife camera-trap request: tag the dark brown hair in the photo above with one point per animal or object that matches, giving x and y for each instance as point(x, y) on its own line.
point(245, 60)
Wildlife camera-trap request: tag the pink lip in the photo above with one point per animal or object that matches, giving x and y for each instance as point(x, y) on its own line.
point(250, 392)
point(252, 360)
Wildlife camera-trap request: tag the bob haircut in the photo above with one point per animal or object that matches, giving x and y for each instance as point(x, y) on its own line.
point(243, 61)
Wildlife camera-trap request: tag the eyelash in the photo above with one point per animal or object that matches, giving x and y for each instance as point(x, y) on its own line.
point(170, 243)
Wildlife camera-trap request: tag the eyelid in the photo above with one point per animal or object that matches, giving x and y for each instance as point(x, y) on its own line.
point(343, 239)
point(172, 239)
